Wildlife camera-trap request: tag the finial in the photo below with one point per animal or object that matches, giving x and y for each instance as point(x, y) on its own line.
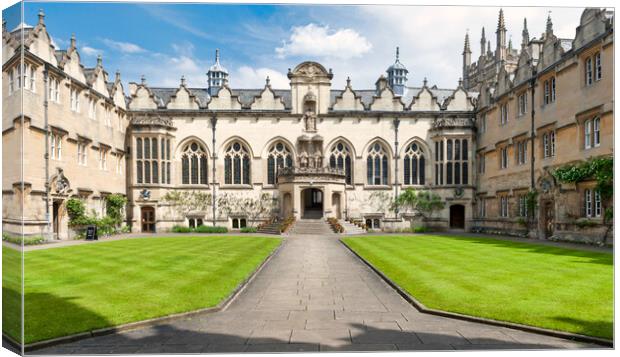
point(143, 80)
point(99, 60)
point(525, 34)
point(41, 16)
point(425, 82)
point(217, 55)
point(549, 24)
point(183, 80)
point(267, 81)
point(117, 76)
point(466, 48)
point(510, 43)
point(501, 24)
point(73, 40)
point(397, 53)
point(348, 81)
point(489, 46)
point(330, 71)
point(460, 82)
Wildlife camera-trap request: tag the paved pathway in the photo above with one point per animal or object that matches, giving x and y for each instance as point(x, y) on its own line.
point(314, 295)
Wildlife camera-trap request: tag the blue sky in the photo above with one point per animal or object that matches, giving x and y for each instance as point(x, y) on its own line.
point(165, 41)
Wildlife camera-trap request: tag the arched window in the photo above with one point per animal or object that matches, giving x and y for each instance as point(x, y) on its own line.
point(279, 156)
point(414, 165)
point(340, 157)
point(237, 164)
point(194, 164)
point(377, 165)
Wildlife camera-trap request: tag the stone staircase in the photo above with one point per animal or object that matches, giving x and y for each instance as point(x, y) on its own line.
point(310, 226)
point(350, 228)
point(270, 228)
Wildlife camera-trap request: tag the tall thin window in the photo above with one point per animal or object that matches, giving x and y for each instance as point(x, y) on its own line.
point(588, 134)
point(588, 202)
point(597, 203)
point(414, 170)
point(503, 158)
point(598, 73)
point(279, 157)
point(553, 89)
point(589, 71)
point(597, 132)
point(377, 165)
point(522, 103)
point(237, 164)
point(503, 114)
point(340, 157)
point(194, 164)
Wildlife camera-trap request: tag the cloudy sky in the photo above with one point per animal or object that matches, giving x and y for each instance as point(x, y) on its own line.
point(166, 41)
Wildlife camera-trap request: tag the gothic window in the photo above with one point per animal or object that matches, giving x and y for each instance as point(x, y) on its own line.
point(237, 164)
point(341, 158)
point(414, 165)
point(194, 164)
point(377, 165)
point(455, 163)
point(279, 157)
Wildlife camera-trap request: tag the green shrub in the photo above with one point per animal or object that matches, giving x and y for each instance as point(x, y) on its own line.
point(248, 230)
point(420, 229)
point(181, 229)
point(210, 229)
point(114, 207)
point(28, 240)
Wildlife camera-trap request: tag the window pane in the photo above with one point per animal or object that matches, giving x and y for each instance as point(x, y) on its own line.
point(332, 162)
point(271, 170)
point(457, 149)
point(147, 148)
point(457, 173)
point(369, 174)
point(138, 148)
point(449, 173)
point(465, 174)
point(377, 171)
point(422, 169)
point(155, 172)
point(168, 173)
point(139, 172)
point(147, 172)
point(246, 170)
point(449, 150)
point(185, 169)
point(407, 170)
point(194, 169)
point(227, 170)
point(414, 170)
point(204, 172)
point(465, 149)
point(347, 168)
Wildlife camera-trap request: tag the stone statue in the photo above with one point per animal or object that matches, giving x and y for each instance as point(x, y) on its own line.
point(318, 159)
point(303, 159)
point(310, 121)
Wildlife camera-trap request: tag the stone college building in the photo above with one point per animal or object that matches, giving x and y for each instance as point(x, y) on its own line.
point(317, 149)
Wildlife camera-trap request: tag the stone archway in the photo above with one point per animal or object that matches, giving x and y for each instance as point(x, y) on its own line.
point(312, 203)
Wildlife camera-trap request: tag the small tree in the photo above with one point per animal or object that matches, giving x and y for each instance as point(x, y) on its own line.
point(115, 204)
point(423, 203)
point(185, 202)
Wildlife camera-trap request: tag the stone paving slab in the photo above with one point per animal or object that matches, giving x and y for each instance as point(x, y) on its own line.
point(314, 295)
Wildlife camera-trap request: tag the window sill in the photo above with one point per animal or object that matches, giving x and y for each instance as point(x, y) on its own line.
point(377, 187)
point(236, 187)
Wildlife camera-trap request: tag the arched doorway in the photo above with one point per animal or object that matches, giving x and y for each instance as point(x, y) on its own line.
point(312, 202)
point(287, 205)
point(336, 205)
point(147, 215)
point(457, 217)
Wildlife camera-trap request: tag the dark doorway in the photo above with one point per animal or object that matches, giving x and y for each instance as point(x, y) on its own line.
point(457, 216)
point(56, 218)
point(312, 203)
point(148, 219)
point(549, 218)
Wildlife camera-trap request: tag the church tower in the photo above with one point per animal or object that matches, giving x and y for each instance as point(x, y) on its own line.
point(217, 75)
point(397, 75)
point(466, 60)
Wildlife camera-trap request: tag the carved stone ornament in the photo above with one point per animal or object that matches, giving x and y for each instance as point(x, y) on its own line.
point(145, 194)
point(152, 120)
point(60, 184)
point(458, 192)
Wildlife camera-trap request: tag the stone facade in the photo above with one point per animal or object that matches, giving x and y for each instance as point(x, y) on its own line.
point(314, 150)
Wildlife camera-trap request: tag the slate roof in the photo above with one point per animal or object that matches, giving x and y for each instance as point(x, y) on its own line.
point(246, 96)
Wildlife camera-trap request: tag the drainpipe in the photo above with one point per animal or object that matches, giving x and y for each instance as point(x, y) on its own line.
point(213, 124)
point(47, 155)
point(396, 124)
point(532, 134)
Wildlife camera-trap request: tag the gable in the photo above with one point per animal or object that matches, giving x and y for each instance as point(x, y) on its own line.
point(224, 100)
point(267, 101)
point(182, 99)
point(386, 101)
point(143, 99)
point(424, 101)
point(347, 100)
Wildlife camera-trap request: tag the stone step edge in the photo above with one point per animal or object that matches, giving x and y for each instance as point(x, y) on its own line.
point(223, 305)
point(533, 329)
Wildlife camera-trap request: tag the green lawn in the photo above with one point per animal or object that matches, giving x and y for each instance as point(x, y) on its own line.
point(90, 286)
point(532, 284)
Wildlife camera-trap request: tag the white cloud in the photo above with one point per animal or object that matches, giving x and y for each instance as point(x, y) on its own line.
point(248, 77)
point(125, 47)
point(319, 41)
point(90, 51)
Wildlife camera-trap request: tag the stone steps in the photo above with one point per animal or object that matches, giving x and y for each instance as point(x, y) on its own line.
point(271, 228)
point(311, 226)
point(350, 229)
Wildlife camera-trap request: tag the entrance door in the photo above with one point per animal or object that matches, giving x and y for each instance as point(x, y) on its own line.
point(549, 218)
point(56, 218)
point(457, 216)
point(148, 219)
point(313, 203)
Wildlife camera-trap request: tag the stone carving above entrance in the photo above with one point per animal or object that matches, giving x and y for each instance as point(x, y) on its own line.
point(60, 184)
point(310, 149)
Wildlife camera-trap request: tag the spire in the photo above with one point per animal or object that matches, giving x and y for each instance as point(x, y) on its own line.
point(549, 30)
point(483, 42)
point(99, 61)
point(466, 48)
point(500, 48)
point(525, 35)
point(397, 53)
point(489, 47)
point(510, 44)
point(41, 17)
